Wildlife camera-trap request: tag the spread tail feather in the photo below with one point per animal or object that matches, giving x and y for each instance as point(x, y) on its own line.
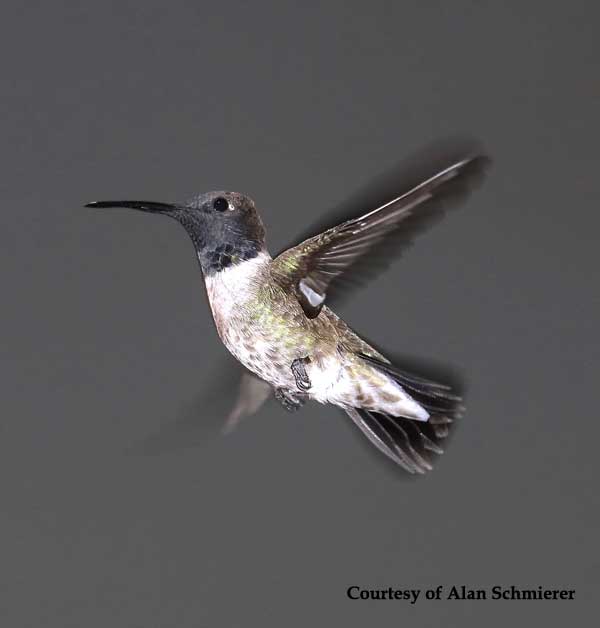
point(411, 444)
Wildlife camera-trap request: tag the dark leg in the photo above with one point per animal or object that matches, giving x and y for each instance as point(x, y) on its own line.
point(290, 399)
point(300, 375)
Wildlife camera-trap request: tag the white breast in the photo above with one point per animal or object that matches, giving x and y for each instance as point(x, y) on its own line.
point(229, 291)
point(232, 287)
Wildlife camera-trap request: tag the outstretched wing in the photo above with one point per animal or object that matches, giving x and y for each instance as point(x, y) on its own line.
point(311, 267)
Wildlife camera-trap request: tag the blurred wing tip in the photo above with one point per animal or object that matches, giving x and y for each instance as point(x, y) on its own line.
point(478, 159)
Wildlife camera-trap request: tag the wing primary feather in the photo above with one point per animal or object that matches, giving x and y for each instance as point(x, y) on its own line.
point(371, 240)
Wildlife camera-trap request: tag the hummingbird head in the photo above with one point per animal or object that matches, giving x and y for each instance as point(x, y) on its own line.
point(224, 226)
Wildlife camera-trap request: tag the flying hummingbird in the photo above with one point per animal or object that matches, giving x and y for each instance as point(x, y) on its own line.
point(272, 313)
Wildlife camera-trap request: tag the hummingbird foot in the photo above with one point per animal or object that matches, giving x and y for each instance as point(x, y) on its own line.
point(300, 374)
point(289, 399)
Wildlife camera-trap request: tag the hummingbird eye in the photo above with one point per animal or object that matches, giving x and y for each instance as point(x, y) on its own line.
point(220, 204)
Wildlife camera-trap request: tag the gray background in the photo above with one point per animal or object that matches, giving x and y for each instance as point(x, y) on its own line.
point(107, 340)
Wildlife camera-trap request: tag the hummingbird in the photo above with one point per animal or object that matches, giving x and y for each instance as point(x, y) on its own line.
point(272, 312)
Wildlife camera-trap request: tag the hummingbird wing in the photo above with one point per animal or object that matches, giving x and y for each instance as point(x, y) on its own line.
point(217, 409)
point(252, 394)
point(361, 247)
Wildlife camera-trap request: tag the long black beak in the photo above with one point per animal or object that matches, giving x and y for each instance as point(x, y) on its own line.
point(145, 206)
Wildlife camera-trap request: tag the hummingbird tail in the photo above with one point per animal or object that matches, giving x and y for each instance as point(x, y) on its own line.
point(413, 445)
